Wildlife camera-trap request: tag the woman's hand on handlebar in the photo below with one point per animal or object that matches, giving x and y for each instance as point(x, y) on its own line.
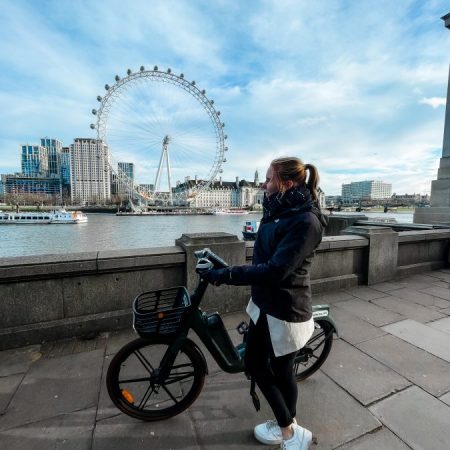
point(217, 276)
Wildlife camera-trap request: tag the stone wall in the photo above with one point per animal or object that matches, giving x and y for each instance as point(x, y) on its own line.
point(56, 296)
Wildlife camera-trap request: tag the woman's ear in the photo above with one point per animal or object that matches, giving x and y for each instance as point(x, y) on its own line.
point(288, 184)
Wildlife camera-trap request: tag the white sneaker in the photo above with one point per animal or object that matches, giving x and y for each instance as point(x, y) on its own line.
point(269, 432)
point(301, 440)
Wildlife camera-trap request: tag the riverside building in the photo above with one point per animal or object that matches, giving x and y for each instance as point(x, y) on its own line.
point(366, 190)
point(53, 147)
point(90, 174)
point(34, 160)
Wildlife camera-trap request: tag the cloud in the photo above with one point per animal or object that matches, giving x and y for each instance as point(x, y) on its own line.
point(434, 102)
point(340, 84)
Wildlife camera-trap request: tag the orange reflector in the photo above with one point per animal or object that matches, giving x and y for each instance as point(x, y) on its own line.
point(160, 315)
point(127, 396)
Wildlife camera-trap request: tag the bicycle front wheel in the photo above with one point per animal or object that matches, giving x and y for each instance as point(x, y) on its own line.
point(315, 352)
point(136, 389)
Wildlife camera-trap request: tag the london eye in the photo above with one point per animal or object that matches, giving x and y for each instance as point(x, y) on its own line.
point(168, 128)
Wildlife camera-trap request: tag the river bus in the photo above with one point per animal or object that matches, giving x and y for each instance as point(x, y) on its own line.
point(50, 217)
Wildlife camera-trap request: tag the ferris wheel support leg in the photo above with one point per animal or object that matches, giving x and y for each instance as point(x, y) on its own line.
point(169, 171)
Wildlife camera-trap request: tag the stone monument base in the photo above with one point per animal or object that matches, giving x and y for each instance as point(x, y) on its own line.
point(432, 215)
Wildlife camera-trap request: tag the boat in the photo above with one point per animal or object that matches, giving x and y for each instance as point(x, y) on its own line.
point(250, 230)
point(218, 212)
point(49, 217)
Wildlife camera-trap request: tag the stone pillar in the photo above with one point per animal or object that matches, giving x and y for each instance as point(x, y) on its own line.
point(382, 252)
point(439, 210)
point(339, 222)
point(229, 248)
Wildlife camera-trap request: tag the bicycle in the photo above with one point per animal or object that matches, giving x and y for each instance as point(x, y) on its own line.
point(160, 374)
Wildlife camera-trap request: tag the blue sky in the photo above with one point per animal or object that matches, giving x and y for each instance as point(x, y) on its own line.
point(357, 88)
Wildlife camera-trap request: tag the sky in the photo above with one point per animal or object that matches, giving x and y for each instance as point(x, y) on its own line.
point(357, 88)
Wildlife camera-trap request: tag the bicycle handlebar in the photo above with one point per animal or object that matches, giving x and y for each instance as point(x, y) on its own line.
point(206, 253)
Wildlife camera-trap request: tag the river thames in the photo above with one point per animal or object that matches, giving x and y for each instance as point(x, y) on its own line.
point(111, 232)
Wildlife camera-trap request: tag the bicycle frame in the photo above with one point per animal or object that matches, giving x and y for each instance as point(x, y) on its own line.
point(229, 358)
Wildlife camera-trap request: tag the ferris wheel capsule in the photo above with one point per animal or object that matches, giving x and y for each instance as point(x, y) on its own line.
point(193, 82)
point(169, 70)
point(99, 98)
point(203, 92)
point(107, 87)
point(129, 72)
point(142, 68)
point(117, 78)
point(94, 111)
point(92, 126)
point(155, 68)
point(181, 75)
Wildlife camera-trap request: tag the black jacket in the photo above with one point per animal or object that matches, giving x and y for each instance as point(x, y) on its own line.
point(282, 255)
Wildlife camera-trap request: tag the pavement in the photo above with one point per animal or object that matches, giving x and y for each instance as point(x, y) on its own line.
point(385, 385)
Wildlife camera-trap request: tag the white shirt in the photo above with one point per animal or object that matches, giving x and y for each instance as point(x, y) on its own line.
point(286, 337)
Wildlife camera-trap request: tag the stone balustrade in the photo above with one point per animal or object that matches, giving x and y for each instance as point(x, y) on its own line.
point(56, 296)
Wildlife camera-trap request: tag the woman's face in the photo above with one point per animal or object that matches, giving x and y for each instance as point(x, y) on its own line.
point(271, 183)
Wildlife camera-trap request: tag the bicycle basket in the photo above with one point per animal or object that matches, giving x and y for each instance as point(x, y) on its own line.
point(160, 312)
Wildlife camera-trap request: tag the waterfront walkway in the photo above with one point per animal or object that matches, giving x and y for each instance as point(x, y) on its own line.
point(386, 385)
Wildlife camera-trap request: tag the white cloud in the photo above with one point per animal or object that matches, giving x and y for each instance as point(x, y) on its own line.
point(339, 84)
point(434, 102)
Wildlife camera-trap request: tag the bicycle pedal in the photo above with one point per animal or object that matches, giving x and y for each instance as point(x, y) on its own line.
point(242, 328)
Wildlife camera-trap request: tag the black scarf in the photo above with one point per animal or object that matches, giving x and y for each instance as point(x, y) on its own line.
point(295, 198)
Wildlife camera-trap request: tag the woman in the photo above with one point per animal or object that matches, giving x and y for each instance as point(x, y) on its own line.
point(280, 307)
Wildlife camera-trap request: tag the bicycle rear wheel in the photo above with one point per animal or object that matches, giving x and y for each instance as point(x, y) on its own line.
point(315, 352)
point(134, 386)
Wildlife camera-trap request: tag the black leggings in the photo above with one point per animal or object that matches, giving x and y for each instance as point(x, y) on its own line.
point(273, 375)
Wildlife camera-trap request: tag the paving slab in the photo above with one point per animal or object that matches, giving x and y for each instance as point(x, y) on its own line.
point(70, 346)
point(18, 360)
point(440, 275)
point(408, 309)
point(333, 416)
point(224, 416)
point(443, 293)
point(420, 367)
point(433, 341)
point(8, 387)
point(65, 432)
point(441, 284)
point(117, 339)
point(416, 417)
point(445, 398)
point(382, 439)
point(105, 408)
point(421, 298)
point(441, 325)
point(125, 433)
point(352, 329)
point(55, 386)
point(365, 292)
point(345, 366)
point(330, 298)
point(369, 312)
point(387, 286)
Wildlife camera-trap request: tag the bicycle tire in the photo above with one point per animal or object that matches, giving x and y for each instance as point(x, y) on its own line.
point(316, 350)
point(131, 379)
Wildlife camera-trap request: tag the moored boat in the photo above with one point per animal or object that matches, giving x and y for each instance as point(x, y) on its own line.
point(50, 217)
point(250, 230)
point(217, 212)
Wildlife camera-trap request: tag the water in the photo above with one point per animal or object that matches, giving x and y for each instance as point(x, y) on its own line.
point(110, 232)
